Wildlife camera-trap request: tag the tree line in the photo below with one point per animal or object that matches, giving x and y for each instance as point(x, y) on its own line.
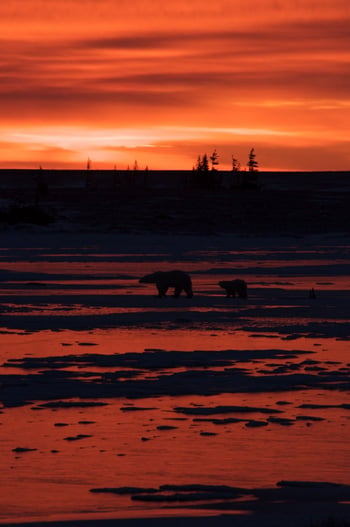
point(204, 162)
point(206, 172)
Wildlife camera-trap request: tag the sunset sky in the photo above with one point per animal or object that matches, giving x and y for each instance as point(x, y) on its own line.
point(162, 82)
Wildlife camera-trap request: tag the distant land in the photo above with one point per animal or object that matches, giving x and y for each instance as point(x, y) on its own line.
point(169, 201)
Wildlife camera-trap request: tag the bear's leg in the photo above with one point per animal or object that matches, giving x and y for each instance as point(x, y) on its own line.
point(162, 290)
point(177, 292)
point(189, 292)
point(242, 291)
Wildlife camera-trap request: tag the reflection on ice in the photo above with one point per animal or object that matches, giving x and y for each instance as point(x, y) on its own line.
point(206, 401)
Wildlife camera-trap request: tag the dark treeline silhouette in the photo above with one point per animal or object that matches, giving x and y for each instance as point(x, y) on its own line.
point(203, 200)
point(209, 177)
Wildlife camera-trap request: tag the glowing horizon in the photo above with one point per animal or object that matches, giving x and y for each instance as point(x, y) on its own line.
point(162, 84)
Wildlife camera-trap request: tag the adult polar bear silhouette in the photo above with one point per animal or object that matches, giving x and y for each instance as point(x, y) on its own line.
point(180, 280)
point(234, 287)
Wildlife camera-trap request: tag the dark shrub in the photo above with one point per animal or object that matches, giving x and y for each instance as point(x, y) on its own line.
point(26, 214)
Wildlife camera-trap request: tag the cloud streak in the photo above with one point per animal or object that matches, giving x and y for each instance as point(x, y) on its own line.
point(281, 67)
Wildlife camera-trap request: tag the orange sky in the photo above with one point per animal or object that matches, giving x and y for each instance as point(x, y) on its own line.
point(161, 82)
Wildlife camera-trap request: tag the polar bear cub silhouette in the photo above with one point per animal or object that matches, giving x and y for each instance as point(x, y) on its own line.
point(234, 287)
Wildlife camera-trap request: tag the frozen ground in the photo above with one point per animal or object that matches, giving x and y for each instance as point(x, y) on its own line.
point(118, 404)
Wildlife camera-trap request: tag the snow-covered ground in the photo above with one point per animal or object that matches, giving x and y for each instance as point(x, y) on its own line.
point(119, 404)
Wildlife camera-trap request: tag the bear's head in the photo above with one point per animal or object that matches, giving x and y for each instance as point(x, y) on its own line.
point(151, 278)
